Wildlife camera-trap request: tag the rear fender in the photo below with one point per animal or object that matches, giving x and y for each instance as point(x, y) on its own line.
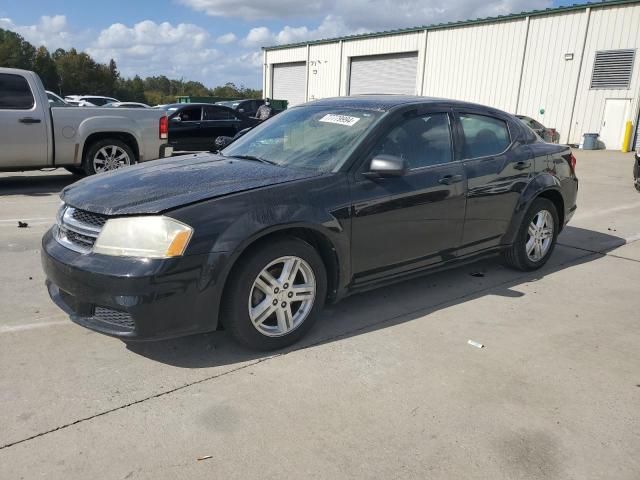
point(540, 183)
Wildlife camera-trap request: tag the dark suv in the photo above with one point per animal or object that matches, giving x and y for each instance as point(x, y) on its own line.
point(324, 200)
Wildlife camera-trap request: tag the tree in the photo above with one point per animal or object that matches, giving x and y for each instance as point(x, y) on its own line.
point(71, 72)
point(44, 66)
point(15, 52)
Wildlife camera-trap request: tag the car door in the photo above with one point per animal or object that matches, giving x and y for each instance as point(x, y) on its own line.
point(218, 122)
point(24, 139)
point(184, 128)
point(498, 164)
point(415, 220)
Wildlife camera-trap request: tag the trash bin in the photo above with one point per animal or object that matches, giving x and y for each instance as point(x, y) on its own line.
point(590, 141)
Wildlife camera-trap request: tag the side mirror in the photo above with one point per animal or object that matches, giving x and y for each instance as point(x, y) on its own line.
point(176, 119)
point(387, 166)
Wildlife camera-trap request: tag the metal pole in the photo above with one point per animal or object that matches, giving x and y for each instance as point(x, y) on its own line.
point(524, 57)
point(340, 71)
point(575, 94)
point(424, 62)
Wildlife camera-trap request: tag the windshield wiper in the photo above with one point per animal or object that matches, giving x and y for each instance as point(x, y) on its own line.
point(254, 159)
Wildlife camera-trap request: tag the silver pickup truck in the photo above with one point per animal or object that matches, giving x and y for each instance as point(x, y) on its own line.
point(35, 135)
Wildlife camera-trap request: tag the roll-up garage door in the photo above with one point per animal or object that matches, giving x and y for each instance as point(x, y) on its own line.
point(394, 73)
point(289, 82)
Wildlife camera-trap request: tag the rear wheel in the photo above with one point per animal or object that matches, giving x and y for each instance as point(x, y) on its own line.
point(107, 155)
point(275, 294)
point(536, 238)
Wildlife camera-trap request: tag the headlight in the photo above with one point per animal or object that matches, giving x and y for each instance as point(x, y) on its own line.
point(148, 237)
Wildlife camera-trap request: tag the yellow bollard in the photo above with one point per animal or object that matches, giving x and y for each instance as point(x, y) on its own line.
point(628, 133)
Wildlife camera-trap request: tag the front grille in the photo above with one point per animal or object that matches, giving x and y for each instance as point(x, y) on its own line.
point(114, 317)
point(89, 218)
point(78, 229)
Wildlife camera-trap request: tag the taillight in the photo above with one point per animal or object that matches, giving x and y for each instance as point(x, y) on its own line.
point(164, 127)
point(572, 162)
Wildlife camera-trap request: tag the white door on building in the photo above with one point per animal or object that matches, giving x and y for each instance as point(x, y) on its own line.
point(394, 73)
point(616, 113)
point(290, 82)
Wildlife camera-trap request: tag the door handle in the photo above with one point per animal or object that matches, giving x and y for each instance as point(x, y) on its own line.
point(522, 165)
point(29, 120)
point(450, 179)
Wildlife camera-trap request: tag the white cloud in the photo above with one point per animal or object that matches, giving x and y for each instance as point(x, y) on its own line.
point(258, 36)
point(149, 48)
point(330, 27)
point(256, 9)
point(51, 31)
point(366, 14)
point(227, 38)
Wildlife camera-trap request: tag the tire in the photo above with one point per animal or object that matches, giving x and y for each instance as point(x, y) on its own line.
point(79, 171)
point(517, 256)
point(109, 151)
point(272, 330)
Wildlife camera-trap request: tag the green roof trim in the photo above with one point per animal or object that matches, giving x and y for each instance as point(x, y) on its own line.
point(462, 23)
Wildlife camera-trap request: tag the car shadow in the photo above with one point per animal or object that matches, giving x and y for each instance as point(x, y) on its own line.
point(388, 306)
point(36, 185)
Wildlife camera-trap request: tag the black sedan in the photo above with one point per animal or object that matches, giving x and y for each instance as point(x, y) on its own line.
point(195, 126)
point(325, 200)
point(248, 106)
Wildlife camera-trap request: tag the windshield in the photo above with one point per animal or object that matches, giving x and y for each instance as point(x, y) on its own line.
point(314, 138)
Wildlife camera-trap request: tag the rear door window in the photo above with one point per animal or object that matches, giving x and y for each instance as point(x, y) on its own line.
point(217, 113)
point(190, 114)
point(484, 136)
point(15, 93)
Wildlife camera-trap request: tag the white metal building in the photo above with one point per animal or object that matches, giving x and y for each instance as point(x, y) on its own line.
point(572, 68)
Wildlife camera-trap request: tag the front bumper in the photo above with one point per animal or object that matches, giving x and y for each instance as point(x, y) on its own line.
point(135, 299)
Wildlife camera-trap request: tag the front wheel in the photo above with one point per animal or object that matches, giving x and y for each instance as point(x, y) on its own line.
point(275, 295)
point(107, 155)
point(536, 238)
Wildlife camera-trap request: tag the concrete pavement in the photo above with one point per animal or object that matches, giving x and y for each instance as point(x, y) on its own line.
point(386, 385)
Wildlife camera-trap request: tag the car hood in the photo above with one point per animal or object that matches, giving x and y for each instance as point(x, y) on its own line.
point(166, 184)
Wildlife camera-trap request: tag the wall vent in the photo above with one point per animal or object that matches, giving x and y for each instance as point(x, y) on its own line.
point(613, 69)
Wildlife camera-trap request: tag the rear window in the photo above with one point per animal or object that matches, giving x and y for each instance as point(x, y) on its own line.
point(15, 93)
point(484, 136)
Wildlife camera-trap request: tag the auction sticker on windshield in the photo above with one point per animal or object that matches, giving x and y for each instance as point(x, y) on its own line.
point(340, 119)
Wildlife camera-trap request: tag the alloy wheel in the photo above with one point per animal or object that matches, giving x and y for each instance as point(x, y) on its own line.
point(282, 296)
point(110, 157)
point(539, 236)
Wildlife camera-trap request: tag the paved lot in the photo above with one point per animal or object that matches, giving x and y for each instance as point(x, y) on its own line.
point(385, 387)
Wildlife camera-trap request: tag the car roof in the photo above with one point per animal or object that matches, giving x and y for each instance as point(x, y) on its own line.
point(388, 102)
point(173, 106)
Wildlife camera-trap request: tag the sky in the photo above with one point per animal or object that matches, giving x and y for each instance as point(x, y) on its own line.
point(219, 41)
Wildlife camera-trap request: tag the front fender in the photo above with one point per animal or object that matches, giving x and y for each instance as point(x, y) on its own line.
point(258, 224)
point(538, 184)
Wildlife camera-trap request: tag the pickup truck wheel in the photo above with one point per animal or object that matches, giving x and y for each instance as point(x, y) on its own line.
point(275, 294)
point(536, 237)
point(106, 155)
